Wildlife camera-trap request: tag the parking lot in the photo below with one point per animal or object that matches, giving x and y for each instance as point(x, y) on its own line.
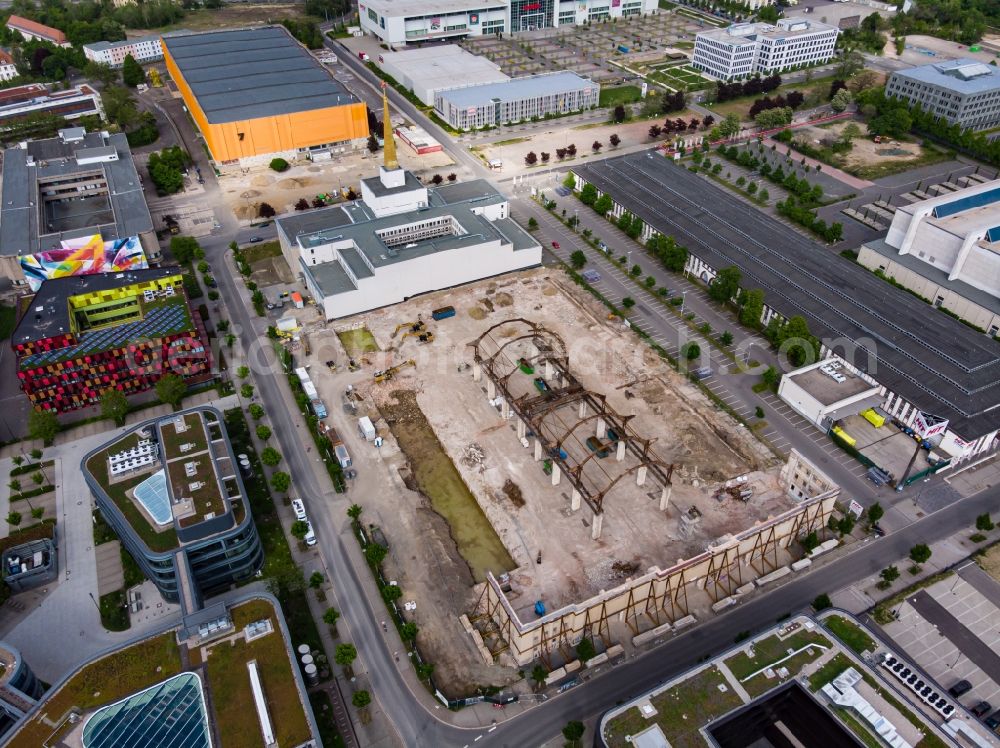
point(594, 51)
point(949, 630)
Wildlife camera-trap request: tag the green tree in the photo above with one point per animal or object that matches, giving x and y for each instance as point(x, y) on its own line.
point(570, 181)
point(408, 631)
point(316, 580)
point(281, 481)
point(585, 650)
point(603, 204)
point(43, 425)
point(170, 388)
point(532, 224)
point(822, 602)
point(263, 432)
point(256, 411)
point(246, 390)
point(391, 592)
point(270, 456)
point(920, 553)
point(185, 249)
point(875, 512)
point(588, 195)
point(984, 523)
point(841, 100)
point(375, 554)
point(628, 302)
point(726, 284)
point(14, 485)
point(539, 674)
point(132, 72)
point(690, 351)
point(573, 732)
point(889, 575)
point(361, 699)
point(243, 372)
point(114, 406)
point(36, 454)
point(330, 617)
point(299, 528)
point(752, 308)
point(345, 654)
point(37, 478)
point(578, 259)
point(770, 377)
point(354, 511)
point(796, 342)
point(120, 107)
point(769, 119)
point(14, 519)
point(103, 74)
point(730, 126)
point(278, 164)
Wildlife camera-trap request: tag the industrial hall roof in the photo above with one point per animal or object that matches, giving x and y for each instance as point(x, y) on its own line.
point(253, 73)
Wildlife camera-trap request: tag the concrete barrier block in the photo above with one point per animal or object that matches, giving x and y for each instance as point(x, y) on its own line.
point(684, 622)
point(746, 589)
point(723, 604)
point(572, 667)
point(773, 576)
point(556, 675)
point(595, 661)
point(802, 563)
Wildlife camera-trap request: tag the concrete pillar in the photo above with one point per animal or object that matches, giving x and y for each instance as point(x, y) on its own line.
point(621, 450)
point(640, 475)
point(602, 427)
point(595, 529)
point(582, 413)
point(477, 372)
point(575, 500)
point(522, 429)
point(556, 473)
point(538, 450)
point(505, 409)
point(549, 370)
point(491, 389)
point(665, 497)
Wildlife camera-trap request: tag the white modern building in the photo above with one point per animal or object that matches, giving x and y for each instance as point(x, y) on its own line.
point(745, 49)
point(427, 70)
point(403, 239)
point(399, 22)
point(143, 49)
point(516, 100)
point(963, 92)
point(947, 250)
point(35, 98)
point(8, 71)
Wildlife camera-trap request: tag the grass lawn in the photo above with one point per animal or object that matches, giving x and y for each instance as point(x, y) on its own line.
point(236, 16)
point(358, 341)
point(850, 633)
point(229, 681)
point(611, 97)
point(195, 434)
point(768, 651)
point(256, 252)
point(761, 683)
point(114, 613)
point(116, 676)
point(681, 711)
point(8, 317)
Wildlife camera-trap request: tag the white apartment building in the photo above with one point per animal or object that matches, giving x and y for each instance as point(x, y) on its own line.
point(400, 22)
point(7, 70)
point(143, 49)
point(745, 49)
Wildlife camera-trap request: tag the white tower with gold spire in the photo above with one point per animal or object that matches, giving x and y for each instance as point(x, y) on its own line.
point(395, 190)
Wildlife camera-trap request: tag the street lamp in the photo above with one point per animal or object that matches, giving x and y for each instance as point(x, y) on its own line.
point(683, 299)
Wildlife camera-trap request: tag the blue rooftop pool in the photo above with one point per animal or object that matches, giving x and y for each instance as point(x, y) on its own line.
point(153, 495)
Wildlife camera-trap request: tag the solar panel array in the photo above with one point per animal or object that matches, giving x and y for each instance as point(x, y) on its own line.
point(170, 714)
point(159, 321)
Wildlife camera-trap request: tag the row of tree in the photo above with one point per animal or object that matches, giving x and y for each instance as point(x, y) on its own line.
point(750, 87)
point(794, 99)
point(166, 169)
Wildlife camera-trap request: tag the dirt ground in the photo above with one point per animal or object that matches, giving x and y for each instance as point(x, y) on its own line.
point(244, 192)
point(529, 515)
point(989, 561)
point(865, 151)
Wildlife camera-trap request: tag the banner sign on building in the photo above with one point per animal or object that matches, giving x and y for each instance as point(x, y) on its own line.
point(85, 255)
point(435, 24)
point(473, 19)
point(926, 425)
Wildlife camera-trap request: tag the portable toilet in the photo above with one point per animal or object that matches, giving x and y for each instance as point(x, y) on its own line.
point(366, 428)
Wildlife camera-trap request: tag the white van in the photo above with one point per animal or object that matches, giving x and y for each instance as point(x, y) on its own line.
point(310, 537)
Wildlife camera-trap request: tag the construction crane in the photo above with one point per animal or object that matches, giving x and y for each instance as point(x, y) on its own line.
point(385, 375)
point(415, 327)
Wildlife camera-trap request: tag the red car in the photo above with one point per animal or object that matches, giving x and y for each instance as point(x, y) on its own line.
point(555, 245)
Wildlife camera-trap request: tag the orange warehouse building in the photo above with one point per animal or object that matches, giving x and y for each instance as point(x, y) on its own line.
point(257, 93)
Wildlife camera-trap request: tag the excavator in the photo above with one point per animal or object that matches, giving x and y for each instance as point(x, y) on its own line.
point(384, 375)
point(422, 337)
point(414, 328)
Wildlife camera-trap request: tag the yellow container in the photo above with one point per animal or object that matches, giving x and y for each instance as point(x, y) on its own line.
point(847, 438)
point(873, 418)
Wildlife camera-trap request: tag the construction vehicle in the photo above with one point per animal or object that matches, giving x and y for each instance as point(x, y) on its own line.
point(353, 365)
point(331, 365)
point(307, 349)
point(415, 327)
point(422, 337)
point(384, 375)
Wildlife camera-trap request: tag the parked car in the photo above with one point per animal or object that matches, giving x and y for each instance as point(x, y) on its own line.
point(993, 721)
point(963, 686)
point(255, 239)
point(555, 245)
point(310, 537)
point(591, 276)
point(703, 373)
point(983, 707)
point(299, 508)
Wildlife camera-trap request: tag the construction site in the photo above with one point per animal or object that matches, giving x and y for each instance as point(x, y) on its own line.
point(533, 457)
